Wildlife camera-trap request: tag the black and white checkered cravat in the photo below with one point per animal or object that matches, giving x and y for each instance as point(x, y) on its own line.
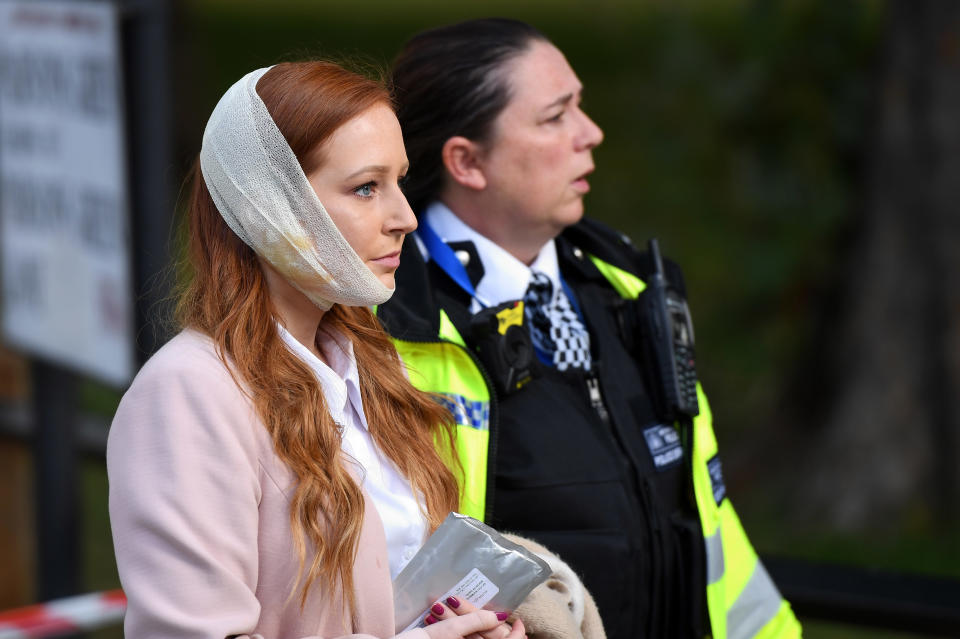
point(555, 327)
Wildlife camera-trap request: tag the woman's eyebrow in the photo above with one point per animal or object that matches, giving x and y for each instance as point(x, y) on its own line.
point(373, 168)
point(377, 169)
point(561, 101)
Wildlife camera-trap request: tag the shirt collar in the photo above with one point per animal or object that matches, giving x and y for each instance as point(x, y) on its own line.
point(339, 378)
point(504, 276)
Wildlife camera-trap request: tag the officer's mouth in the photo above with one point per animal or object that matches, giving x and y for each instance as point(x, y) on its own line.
point(581, 185)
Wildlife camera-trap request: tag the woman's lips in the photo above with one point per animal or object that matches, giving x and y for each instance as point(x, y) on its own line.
point(389, 261)
point(580, 184)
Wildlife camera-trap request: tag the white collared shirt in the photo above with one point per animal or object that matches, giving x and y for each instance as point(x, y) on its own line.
point(504, 276)
point(403, 522)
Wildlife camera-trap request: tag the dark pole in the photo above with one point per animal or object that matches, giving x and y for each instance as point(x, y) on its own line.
point(934, 88)
point(146, 48)
point(55, 472)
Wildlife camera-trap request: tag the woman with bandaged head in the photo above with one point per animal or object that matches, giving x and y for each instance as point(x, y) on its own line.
point(271, 467)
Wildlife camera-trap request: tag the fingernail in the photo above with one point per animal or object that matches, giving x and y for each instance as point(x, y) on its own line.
point(437, 609)
point(453, 602)
point(502, 616)
point(430, 619)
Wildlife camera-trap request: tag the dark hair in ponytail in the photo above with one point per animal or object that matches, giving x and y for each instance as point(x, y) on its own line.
point(450, 81)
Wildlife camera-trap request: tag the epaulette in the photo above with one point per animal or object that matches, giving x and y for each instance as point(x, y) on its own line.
point(618, 249)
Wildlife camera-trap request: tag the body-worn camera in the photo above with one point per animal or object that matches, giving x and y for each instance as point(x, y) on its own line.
point(657, 329)
point(503, 345)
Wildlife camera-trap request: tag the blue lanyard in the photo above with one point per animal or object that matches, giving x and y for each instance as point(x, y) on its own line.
point(447, 260)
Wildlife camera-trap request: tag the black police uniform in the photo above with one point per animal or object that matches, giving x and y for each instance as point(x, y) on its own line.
point(573, 470)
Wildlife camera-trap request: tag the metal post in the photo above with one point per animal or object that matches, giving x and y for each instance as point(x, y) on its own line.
point(146, 48)
point(56, 476)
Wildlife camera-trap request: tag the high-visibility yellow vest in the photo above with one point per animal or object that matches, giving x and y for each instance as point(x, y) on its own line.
point(742, 600)
point(446, 369)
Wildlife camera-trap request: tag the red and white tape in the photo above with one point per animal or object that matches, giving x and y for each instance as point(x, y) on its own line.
point(63, 616)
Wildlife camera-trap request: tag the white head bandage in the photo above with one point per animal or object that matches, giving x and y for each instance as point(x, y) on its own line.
point(261, 191)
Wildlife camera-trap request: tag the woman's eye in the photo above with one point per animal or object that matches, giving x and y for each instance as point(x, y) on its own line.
point(365, 190)
point(556, 118)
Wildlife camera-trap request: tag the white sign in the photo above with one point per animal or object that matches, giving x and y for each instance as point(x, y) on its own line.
point(64, 248)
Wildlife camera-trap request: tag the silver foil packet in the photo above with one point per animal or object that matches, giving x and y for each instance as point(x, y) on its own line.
point(469, 560)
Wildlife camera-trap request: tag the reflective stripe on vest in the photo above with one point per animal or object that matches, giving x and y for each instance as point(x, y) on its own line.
point(714, 545)
point(446, 370)
point(756, 605)
point(742, 600)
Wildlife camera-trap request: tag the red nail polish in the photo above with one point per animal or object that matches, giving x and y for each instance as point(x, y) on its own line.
point(502, 616)
point(437, 609)
point(430, 619)
point(453, 602)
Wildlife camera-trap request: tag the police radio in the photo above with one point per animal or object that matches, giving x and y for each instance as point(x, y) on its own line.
point(658, 328)
point(503, 345)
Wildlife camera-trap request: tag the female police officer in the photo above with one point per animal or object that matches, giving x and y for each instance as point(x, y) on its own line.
point(565, 446)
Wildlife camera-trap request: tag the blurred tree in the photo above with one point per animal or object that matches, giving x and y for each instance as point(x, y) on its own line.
point(881, 444)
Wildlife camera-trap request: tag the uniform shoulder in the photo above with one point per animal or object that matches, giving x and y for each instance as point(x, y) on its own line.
point(617, 249)
point(604, 242)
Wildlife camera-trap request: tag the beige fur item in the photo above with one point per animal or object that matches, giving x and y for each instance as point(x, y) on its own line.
point(559, 608)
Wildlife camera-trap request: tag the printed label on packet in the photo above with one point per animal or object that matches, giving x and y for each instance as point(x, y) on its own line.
point(475, 588)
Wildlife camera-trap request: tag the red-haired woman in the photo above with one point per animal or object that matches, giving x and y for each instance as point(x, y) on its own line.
point(271, 467)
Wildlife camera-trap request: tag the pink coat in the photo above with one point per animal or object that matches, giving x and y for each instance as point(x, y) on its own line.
point(199, 505)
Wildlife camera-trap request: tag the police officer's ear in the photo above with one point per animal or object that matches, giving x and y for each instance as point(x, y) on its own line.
point(461, 157)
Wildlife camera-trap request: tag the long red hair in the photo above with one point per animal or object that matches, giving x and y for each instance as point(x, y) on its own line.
point(226, 297)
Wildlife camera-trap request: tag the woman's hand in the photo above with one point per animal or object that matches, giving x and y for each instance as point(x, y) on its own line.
point(455, 609)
